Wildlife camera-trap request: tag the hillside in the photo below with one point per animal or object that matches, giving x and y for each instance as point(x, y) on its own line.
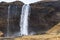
point(43, 16)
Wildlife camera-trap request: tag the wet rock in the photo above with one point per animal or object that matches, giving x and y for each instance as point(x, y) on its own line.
point(14, 16)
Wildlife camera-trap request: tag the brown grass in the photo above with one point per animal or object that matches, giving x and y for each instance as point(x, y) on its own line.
point(39, 37)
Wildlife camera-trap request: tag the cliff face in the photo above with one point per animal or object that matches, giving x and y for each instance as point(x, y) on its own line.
point(14, 16)
point(44, 15)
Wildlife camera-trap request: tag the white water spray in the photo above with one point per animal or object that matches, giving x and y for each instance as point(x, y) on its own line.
point(24, 19)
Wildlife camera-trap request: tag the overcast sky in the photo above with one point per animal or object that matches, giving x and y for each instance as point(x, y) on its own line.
point(25, 1)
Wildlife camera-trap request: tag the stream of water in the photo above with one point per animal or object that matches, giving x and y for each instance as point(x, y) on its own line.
point(8, 32)
point(24, 19)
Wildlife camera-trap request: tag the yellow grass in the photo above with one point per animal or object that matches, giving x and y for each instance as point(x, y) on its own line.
point(39, 37)
point(54, 30)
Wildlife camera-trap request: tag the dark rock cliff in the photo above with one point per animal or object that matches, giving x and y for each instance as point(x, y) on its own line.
point(14, 16)
point(44, 15)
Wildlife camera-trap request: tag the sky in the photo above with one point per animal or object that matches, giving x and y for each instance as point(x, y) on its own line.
point(24, 1)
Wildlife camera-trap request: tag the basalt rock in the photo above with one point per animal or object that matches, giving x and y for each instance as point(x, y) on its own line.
point(44, 15)
point(14, 16)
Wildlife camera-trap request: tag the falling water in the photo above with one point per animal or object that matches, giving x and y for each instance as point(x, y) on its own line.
point(24, 19)
point(8, 33)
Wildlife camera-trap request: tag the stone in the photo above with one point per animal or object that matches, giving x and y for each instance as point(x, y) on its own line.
point(43, 16)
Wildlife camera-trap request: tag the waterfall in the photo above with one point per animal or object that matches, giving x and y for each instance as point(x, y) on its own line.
point(24, 19)
point(8, 32)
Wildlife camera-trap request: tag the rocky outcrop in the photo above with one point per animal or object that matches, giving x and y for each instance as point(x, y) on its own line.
point(44, 15)
point(14, 16)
